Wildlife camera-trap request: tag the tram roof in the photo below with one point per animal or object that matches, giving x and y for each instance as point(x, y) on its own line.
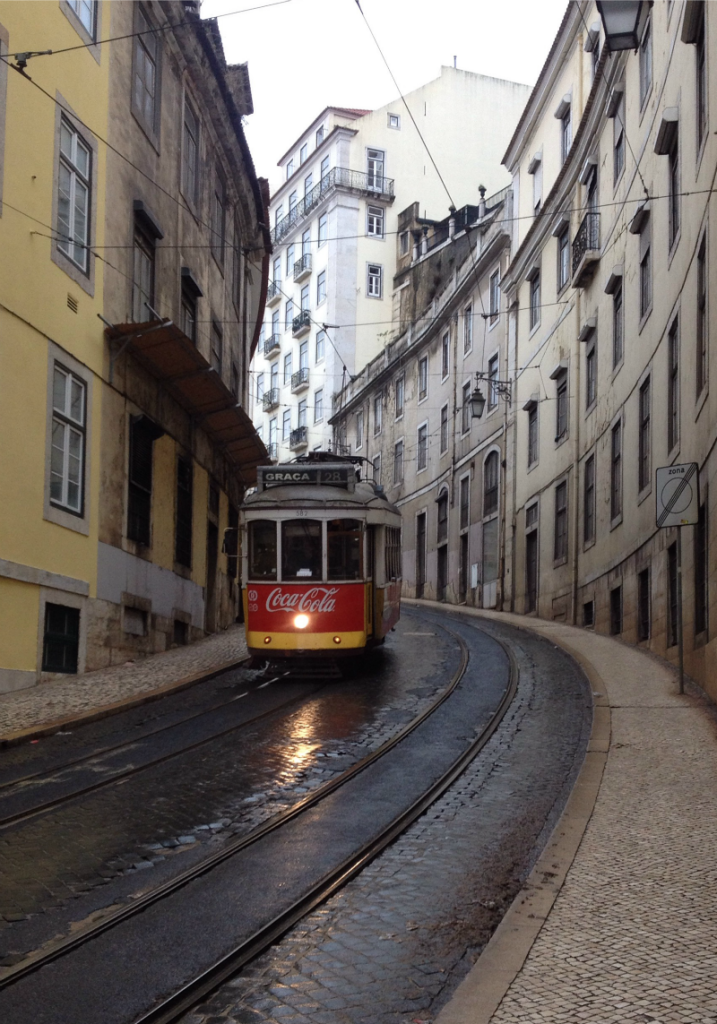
point(318, 496)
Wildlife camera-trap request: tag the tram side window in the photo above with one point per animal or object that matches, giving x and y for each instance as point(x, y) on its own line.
point(393, 553)
point(262, 550)
point(301, 549)
point(345, 548)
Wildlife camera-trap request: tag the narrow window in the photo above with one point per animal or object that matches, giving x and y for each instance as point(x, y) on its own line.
point(589, 614)
point(325, 164)
point(288, 368)
point(700, 556)
point(701, 326)
point(303, 153)
point(645, 63)
point(359, 429)
point(142, 434)
point(303, 413)
point(701, 80)
point(466, 409)
point(146, 81)
point(467, 329)
point(67, 459)
point(320, 135)
point(644, 439)
point(262, 550)
point(308, 185)
point(304, 299)
point(61, 641)
point(618, 139)
point(645, 268)
point(673, 386)
point(445, 355)
point(442, 518)
point(490, 484)
point(400, 392)
point(563, 259)
point(591, 372)
point(286, 425)
point(617, 327)
point(377, 410)
point(375, 165)
point(190, 177)
point(320, 338)
point(375, 278)
point(290, 261)
point(643, 605)
point(218, 218)
point(494, 296)
point(320, 287)
point(375, 218)
point(289, 168)
point(323, 228)
point(306, 245)
point(422, 378)
point(376, 463)
point(293, 200)
point(73, 203)
point(492, 378)
point(215, 358)
point(566, 134)
point(616, 611)
point(318, 405)
point(398, 462)
point(422, 458)
point(672, 607)
point(589, 501)
point(259, 386)
point(465, 502)
point(560, 547)
point(403, 243)
point(616, 471)
point(289, 315)
point(673, 159)
point(535, 300)
point(189, 311)
point(444, 429)
point(561, 420)
point(533, 434)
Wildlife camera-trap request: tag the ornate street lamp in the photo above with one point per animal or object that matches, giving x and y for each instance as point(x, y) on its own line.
point(477, 403)
point(621, 20)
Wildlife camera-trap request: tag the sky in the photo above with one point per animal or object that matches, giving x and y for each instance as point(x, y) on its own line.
point(305, 55)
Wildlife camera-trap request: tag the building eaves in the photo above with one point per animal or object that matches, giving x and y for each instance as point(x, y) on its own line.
point(296, 175)
point(307, 131)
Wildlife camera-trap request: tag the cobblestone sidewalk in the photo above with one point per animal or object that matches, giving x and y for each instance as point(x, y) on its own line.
point(632, 935)
point(81, 696)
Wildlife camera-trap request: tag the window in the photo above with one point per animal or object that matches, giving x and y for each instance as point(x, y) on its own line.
point(673, 162)
point(325, 163)
point(274, 374)
point(318, 405)
point(563, 259)
point(308, 184)
point(287, 368)
point(275, 323)
point(306, 243)
point(701, 331)
point(183, 527)
point(320, 339)
point(304, 355)
point(142, 434)
point(278, 214)
point(617, 327)
point(289, 315)
point(189, 309)
point(466, 408)
point(560, 547)
point(375, 282)
point(73, 202)
point(377, 408)
point(445, 355)
point(303, 153)
point(323, 229)
point(67, 459)
point(537, 165)
point(494, 296)
point(290, 260)
point(422, 459)
point(262, 550)
point(616, 611)
point(467, 329)
point(643, 605)
point(61, 641)
point(616, 471)
point(286, 425)
point(374, 159)
point(492, 377)
point(293, 200)
point(398, 462)
point(673, 386)
point(303, 413)
point(444, 429)
point(289, 168)
point(359, 429)
point(618, 139)
point(491, 474)
point(273, 432)
point(394, 121)
point(218, 225)
point(646, 268)
point(215, 357)
point(465, 490)
point(376, 463)
point(701, 79)
point(304, 302)
point(190, 165)
point(589, 501)
point(533, 434)
point(442, 518)
point(701, 575)
point(143, 263)
point(86, 12)
point(344, 545)
point(301, 549)
point(375, 217)
point(145, 95)
point(277, 271)
point(672, 596)
point(644, 438)
point(566, 134)
point(589, 614)
point(535, 300)
point(645, 63)
point(591, 372)
point(400, 393)
point(422, 378)
point(561, 418)
point(320, 135)
point(259, 386)
point(392, 551)
point(403, 243)
point(320, 287)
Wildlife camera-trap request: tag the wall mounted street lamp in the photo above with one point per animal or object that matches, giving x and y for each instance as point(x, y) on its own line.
point(477, 403)
point(622, 21)
point(503, 388)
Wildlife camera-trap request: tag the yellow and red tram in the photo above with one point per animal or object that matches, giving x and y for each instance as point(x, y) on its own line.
point(321, 564)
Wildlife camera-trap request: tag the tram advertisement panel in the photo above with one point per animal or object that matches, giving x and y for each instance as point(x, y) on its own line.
point(330, 607)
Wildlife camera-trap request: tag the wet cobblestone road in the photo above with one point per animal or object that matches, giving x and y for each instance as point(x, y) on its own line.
point(392, 946)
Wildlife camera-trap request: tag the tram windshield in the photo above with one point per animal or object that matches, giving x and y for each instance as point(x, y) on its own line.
point(345, 549)
point(301, 549)
point(262, 550)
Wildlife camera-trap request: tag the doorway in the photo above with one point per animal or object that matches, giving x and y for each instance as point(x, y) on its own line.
point(420, 554)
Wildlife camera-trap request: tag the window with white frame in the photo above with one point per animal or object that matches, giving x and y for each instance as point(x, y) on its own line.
point(277, 271)
point(67, 460)
point(305, 297)
point(566, 134)
point(303, 153)
point(286, 425)
point(293, 200)
point(422, 449)
point(287, 368)
point(422, 378)
point(289, 315)
point(73, 206)
point(86, 11)
point(259, 386)
point(320, 287)
point(289, 168)
point(466, 408)
point(320, 135)
point(394, 121)
point(563, 258)
point(444, 430)
point(290, 260)
point(325, 165)
point(190, 156)
point(359, 429)
point(375, 165)
point(494, 296)
point(278, 214)
point(375, 281)
point(492, 377)
point(535, 299)
point(320, 339)
point(445, 355)
point(400, 395)
point(377, 410)
point(467, 329)
point(323, 229)
point(306, 243)
point(318, 405)
point(308, 184)
point(374, 221)
point(303, 412)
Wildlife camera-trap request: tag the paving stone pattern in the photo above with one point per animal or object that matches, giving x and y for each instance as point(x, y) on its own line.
point(394, 943)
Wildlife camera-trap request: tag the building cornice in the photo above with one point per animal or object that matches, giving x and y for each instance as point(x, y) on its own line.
point(336, 130)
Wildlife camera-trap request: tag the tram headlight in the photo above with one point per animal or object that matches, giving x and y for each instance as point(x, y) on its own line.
point(337, 639)
point(301, 621)
point(267, 639)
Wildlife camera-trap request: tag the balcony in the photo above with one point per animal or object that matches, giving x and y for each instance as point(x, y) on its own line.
point(299, 438)
point(300, 380)
point(272, 450)
point(270, 399)
point(273, 293)
point(301, 324)
point(338, 177)
point(272, 344)
point(586, 250)
point(302, 268)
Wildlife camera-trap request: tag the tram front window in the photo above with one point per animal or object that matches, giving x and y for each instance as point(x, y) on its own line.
point(345, 549)
point(262, 550)
point(301, 549)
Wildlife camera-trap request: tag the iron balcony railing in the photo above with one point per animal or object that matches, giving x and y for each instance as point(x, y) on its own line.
point(298, 437)
point(302, 267)
point(270, 399)
point(300, 323)
point(272, 343)
point(587, 238)
point(338, 177)
point(272, 450)
point(300, 379)
point(273, 292)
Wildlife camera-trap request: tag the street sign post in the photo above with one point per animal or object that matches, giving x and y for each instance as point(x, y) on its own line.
point(677, 495)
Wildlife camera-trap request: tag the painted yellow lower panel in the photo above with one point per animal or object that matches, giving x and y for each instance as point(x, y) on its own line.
point(305, 641)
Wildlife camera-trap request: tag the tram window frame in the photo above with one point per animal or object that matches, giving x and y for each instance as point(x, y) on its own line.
point(315, 559)
point(392, 552)
point(253, 529)
point(356, 532)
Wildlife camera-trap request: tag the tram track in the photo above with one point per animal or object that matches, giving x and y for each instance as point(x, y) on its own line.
point(170, 1008)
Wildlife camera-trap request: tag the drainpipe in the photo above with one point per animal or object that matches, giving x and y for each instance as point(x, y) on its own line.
point(576, 462)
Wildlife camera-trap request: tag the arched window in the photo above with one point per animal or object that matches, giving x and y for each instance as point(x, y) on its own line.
point(490, 484)
point(442, 528)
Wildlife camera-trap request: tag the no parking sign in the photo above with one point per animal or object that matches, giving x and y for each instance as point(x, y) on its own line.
point(678, 495)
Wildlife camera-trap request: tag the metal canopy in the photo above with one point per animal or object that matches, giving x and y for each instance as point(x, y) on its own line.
point(169, 355)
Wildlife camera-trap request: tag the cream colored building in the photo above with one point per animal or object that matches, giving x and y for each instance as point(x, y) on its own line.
point(334, 217)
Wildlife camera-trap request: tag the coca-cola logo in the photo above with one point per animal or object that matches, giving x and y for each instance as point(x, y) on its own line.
point(317, 599)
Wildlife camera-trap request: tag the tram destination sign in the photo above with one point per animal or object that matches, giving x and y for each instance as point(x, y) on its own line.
point(298, 475)
point(678, 496)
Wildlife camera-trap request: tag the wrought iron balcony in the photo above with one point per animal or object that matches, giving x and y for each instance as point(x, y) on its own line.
point(272, 344)
point(273, 293)
point(302, 267)
point(301, 323)
point(272, 450)
point(299, 438)
point(586, 250)
point(270, 399)
point(300, 379)
point(338, 177)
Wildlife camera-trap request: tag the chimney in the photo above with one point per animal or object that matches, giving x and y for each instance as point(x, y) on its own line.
point(416, 240)
point(452, 222)
point(481, 204)
point(424, 240)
